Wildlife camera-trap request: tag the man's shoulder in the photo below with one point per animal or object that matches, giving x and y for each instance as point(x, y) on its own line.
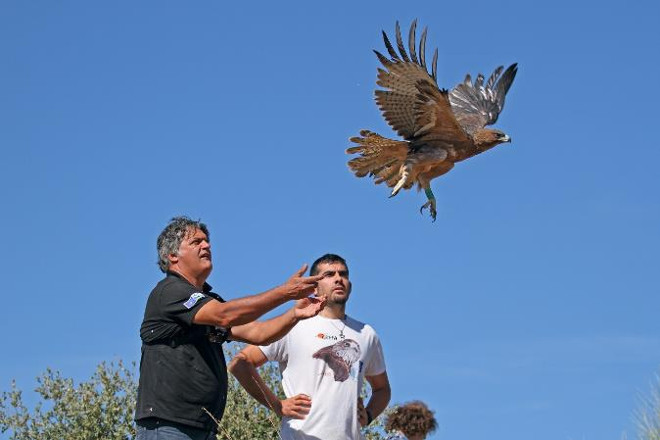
point(396, 435)
point(363, 327)
point(303, 327)
point(293, 338)
point(172, 289)
point(174, 283)
point(171, 282)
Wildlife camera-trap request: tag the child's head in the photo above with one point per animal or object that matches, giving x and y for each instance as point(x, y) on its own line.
point(414, 419)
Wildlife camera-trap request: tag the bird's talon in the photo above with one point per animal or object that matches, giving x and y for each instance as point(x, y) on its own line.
point(432, 211)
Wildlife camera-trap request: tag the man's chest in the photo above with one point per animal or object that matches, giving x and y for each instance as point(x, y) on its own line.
point(328, 351)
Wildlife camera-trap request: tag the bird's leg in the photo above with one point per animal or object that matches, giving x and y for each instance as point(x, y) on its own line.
point(405, 172)
point(430, 204)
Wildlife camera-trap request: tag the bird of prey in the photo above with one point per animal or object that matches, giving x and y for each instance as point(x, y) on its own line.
point(340, 357)
point(439, 127)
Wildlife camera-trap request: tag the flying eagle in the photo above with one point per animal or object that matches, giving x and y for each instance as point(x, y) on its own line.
point(439, 127)
point(340, 357)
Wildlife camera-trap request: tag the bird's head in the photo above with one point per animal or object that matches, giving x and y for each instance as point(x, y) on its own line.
point(487, 138)
point(348, 350)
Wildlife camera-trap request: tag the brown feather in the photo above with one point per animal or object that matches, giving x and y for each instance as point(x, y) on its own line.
point(378, 155)
point(433, 110)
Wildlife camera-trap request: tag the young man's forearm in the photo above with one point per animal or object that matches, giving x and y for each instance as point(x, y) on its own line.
point(379, 400)
point(248, 376)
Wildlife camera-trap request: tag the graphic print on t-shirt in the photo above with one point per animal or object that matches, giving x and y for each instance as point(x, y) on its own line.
point(340, 357)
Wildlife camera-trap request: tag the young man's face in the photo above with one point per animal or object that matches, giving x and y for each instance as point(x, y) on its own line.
point(194, 255)
point(335, 285)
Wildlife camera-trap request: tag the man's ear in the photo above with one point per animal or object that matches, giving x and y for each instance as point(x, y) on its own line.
point(174, 258)
point(316, 294)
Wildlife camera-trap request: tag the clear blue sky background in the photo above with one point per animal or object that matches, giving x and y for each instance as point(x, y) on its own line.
point(528, 310)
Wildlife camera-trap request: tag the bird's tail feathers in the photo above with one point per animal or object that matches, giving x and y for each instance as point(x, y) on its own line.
point(380, 157)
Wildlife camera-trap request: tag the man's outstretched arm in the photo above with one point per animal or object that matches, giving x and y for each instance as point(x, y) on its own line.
point(266, 332)
point(244, 368)
point(243, 310)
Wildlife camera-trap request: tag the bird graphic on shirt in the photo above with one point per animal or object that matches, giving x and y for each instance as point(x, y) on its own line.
point(340, 357)
point(439, 127)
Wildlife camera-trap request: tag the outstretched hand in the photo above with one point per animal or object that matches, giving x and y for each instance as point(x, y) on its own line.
point(299, 286)
point(296, 407)
point(308, 307)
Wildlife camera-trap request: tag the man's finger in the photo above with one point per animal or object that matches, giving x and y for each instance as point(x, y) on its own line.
point(292, 414)
point(297, 412)
point(317, 277)
point(312, 278)
point(301, 271)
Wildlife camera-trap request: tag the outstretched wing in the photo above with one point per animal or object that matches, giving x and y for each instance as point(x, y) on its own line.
point(400, 77)
point(476, 105)
point(412, 104)
point(436, 124)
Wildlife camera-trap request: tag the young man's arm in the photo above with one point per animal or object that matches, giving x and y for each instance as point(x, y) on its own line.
point(243, 310)
point(244, 368)
point(266, 332)
point(380, 397)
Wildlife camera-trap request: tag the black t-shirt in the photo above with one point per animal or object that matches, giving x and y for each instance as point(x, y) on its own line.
point(182, 369)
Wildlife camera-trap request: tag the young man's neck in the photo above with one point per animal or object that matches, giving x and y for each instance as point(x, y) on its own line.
point(334, 311)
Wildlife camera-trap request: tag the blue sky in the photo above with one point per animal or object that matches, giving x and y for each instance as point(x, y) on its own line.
point(527, 310)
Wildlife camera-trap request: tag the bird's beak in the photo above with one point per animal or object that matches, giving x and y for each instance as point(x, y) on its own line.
point(506, 139)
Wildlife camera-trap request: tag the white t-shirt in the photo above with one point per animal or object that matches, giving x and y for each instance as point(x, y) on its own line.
point(316, 360)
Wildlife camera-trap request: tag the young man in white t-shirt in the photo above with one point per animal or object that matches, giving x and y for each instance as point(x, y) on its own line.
point(323, 361)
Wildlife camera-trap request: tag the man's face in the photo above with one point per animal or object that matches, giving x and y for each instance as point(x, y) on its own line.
point(194, 257)
point(334, 286)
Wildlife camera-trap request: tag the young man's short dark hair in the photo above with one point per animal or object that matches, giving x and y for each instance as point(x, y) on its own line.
point(326, 259)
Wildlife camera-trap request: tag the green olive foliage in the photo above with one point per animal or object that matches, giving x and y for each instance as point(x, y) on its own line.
point(103, 408)
point(648, 415)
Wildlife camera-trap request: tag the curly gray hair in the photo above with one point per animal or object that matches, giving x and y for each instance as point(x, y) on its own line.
point(170, 239)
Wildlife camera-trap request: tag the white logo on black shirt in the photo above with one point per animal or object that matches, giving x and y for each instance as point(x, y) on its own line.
point(193, 300)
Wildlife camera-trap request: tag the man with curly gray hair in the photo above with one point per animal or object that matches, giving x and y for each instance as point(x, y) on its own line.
point(183, 377)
